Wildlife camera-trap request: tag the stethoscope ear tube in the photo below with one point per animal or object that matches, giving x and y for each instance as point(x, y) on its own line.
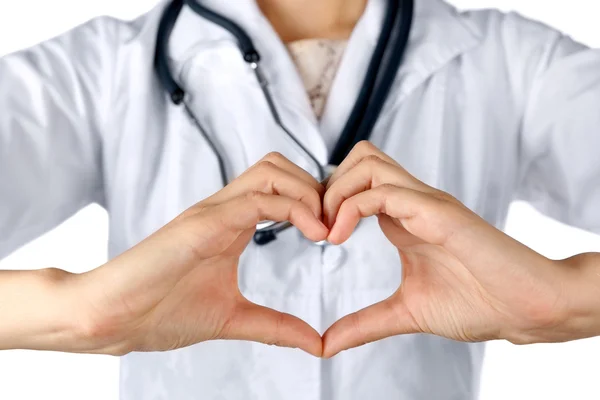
point(244, 42)
point(392, 62)
point(165, 28)
point(360, 107)
point(382, 71)
point(161, 59)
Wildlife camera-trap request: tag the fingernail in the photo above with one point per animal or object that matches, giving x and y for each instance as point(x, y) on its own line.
point(329, 239)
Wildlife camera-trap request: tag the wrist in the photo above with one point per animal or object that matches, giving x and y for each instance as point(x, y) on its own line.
point(53, 310)
point(545, 308)
point(93, 330)
point(581, 293)
point(566, 306)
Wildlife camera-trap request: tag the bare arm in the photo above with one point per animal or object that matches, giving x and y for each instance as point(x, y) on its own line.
point(176, 288)
point(463, 279)
point(581, 293)
point(37, 311)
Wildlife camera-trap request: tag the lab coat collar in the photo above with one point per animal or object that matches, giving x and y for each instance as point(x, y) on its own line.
point(439, 35)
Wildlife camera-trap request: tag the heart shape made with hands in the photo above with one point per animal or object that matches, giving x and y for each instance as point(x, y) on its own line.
point(365, 184)
point(368, 183)
point(459, 274)
point(454, 278)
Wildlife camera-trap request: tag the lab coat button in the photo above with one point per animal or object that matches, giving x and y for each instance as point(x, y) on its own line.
point(334, 257)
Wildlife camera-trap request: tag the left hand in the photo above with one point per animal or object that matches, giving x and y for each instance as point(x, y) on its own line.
point(462, 278)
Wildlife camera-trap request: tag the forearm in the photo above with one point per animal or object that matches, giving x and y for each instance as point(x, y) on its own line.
point(581, 294)
point(36, 310)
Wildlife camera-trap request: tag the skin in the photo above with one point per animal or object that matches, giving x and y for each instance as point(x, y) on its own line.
point(179, 286)
point(309, 19)
point(176, 288)
point(463, 279)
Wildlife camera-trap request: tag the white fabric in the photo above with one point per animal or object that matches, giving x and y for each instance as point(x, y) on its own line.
point(487, 106)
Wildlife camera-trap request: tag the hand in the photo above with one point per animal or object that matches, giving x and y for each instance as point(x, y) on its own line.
point(462, 278)
point(179, 286)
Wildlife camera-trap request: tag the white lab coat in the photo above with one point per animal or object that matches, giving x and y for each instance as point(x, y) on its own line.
point(489, 107)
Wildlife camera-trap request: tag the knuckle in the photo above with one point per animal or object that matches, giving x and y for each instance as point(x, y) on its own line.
point(372, 161)
point(365, 145)
point(387, 189)
point(274, 157)
point(275, 338)
point(254, 196)
point(265, 167)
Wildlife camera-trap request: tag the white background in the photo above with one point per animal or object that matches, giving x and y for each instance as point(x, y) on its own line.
point(565, 371)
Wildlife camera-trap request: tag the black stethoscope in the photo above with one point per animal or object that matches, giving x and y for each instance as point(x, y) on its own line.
point(384, 64)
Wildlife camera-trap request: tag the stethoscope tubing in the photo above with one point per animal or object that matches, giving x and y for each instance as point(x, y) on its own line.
point(385, 62)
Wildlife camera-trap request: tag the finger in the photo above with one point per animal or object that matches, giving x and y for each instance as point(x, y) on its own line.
point(361, 150)
point(370, 172)
point(264, 325)
point(244, 212)
point(434, 218)
point(376, 322)
point(285, 164)
point(423, 215)
point(269, 178)
point(217, 227)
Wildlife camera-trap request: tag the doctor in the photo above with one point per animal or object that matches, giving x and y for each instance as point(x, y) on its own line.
point(485, 108)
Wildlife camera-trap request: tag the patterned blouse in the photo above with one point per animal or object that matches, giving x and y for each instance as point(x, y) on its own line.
point(317, 61)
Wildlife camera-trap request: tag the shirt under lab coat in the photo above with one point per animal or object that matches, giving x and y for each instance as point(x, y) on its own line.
point(487, 106)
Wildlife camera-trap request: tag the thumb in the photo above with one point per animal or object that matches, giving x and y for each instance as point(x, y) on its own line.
point(376, 322)
point(264, 325)
point(395, 232)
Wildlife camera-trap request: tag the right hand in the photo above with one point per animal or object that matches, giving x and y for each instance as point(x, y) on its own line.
point(179, 286)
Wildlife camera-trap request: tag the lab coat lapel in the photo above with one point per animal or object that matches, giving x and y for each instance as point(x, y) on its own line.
point(437, 37)
point(193, 33)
